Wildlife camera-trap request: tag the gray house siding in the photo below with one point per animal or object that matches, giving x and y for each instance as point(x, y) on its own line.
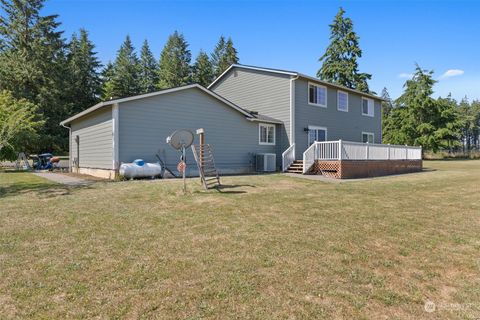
point(144, 125)
point(264, 92)
point(340, 125)
point(95, 140)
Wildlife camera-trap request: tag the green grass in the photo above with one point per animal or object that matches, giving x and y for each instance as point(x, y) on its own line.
point(265, 247)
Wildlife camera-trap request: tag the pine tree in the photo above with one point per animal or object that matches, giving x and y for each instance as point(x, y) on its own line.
point(203, 70)
point(420, 120)
point(387, 106)
point(83, 66)
point(148, 69)
point(125, 73)
point(217, 56)
point(33, 66)
point(231, 54)
point(174, 63)
point(224, 55)
point(107, 77)
point(340, 59)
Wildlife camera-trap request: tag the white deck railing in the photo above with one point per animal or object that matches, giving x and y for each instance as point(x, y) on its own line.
point(288, 157)
point(348, 150)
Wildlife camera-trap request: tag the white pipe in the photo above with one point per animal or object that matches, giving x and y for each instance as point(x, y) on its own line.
point(292, 112)
point(69, 146)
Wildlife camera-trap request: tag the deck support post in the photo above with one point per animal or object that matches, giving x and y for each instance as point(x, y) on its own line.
point(340, 149)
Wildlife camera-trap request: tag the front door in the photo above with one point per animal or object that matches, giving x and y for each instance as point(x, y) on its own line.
point(316, 134)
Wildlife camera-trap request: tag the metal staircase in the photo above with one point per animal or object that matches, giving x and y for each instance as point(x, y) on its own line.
point(206, 166)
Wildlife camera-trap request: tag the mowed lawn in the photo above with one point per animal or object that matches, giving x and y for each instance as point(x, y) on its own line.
point(266, 247)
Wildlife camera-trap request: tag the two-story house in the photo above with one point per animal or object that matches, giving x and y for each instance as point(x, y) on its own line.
point(247, 113)
point(309, 109)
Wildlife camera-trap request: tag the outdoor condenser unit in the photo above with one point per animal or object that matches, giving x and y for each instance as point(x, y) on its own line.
point(266, 162)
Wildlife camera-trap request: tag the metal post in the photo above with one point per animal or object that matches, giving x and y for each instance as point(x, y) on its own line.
point(366, 156)
point(406, 152)
point(388, 151)
point(183, 171)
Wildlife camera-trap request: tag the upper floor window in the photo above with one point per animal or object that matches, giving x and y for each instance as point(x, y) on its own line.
point(317, 95)
point(342, 101)
point(368, 137)
point(367, 107)
point(266, 134)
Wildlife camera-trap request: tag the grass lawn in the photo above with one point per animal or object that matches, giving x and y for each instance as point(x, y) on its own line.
point(267, 247)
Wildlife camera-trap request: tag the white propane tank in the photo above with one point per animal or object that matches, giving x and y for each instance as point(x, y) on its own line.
point(139, 169)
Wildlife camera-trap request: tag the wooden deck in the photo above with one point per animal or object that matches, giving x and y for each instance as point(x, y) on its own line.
point(351, 169)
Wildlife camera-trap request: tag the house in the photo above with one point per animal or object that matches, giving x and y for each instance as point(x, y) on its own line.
point(310, 109)
point(308, 124)
point(122, 130)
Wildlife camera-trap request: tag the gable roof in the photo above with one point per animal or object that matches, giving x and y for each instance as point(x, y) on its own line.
point(249, 115)
point(294, 74)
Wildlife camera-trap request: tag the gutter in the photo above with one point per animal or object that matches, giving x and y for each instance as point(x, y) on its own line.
point(69, 145)
point(292, 110)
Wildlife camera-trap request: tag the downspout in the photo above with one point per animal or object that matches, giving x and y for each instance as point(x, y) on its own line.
point(292, 112)
point(69, 146)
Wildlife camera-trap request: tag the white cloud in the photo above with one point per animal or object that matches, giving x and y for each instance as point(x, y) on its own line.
point(452, 73)
point(405, 75)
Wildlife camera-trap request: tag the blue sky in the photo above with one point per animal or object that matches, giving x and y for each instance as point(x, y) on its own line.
point(394, 35)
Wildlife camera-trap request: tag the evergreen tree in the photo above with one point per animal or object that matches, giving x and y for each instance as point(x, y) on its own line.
point(421, 120)
point(231, 54)
point(340, 59)
point(148, 69)
point(107, 80)
point(83, 65)
point(174, 63)
point(124, 77)
point(387, 106)
point(224, 55)
point(33, 66)
point(217, 56)
point(469, 114)
point(202, 70)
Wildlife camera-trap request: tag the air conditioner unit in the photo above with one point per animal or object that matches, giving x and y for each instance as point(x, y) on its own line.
point(266, 162)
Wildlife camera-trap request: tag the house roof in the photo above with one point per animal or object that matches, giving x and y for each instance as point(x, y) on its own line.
point(248, 114)
point(295, 74)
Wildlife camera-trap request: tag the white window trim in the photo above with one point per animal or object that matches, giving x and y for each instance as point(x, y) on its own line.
point(308, 95)
point(317, 128)
point(260, 125)
point(370, 134)
point(338, 100)
point(373, 107)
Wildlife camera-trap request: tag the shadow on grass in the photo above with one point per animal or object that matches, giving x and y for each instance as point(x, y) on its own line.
point(223, 188)
point(43, 190)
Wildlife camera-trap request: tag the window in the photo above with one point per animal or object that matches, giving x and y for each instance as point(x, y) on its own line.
point(342, 101)
point(368, 137)
point(317, 95)
point(316, 134)
point(266, 134)
point(367, 107)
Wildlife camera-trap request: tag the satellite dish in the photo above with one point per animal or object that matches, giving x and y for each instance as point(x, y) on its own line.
point(181, 139)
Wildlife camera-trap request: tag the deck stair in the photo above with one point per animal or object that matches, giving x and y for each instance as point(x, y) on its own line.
point(206, 166)
point(296, 167)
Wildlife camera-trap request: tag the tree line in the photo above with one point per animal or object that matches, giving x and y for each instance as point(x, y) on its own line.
point(44, 79)
point(415, 118)
point(131, 74)
point(49, 78)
